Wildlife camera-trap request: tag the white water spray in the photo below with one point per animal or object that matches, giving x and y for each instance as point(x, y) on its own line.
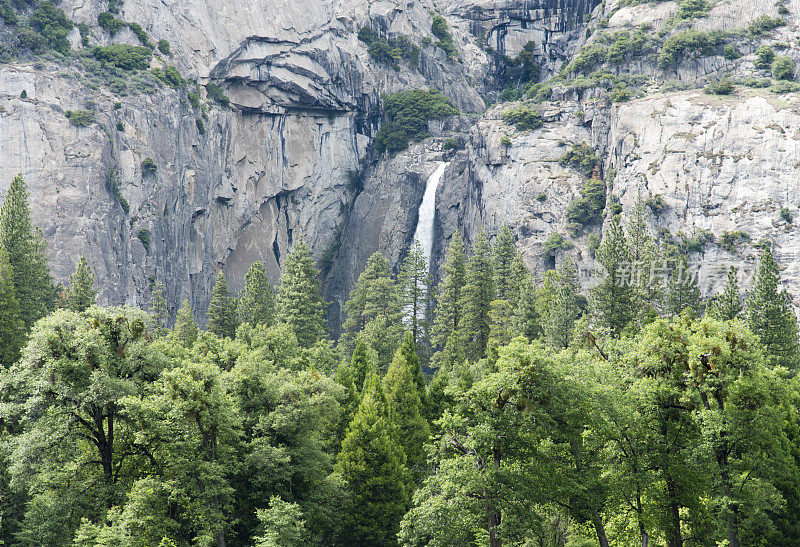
point(427, 212)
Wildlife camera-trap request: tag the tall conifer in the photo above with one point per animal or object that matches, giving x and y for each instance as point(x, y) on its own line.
point(12, 329)
point(81, 295)
point(257, 299)
point(448, 297)
point(476, 298)
point(299, 302)
point(613, 298)
point(222, 319)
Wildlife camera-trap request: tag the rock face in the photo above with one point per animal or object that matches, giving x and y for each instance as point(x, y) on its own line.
point(292, 158)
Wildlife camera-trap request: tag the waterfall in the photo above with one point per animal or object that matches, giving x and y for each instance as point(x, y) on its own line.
point(427, 211)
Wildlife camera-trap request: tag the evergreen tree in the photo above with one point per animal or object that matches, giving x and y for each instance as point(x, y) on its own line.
point(414, 286)
point(504, 256)
point(727, 305)
point(185, 326)
point(770, 315)
point(374, 309)
point(644, 253)
point(32, 282)
point(557, 305)
point(406, 403)
point(81, 295)
point(477, 297)
point(612, 299)
point(159, 313)
point(372, 466)
point(360, 365)
point(682, 290)
point(526, 321)
point(448, 298)
point(299, 303)
point(257, 300)
point(12, 329)
point(222, 319)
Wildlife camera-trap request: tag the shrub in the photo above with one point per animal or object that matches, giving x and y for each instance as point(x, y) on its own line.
point(784, 87)
point(163, 47)
point(174, 78)
point(24, 94)
point(593, 243)
point(556, 242)
point(194, 98)
point(590, 56)
point(588, 208)
point(52, 24)
point(757, 83)
point(452, 143)
point(687, 41)
point(353, 177)
point(519, 71)
point(445, 39)
point(124, 57)
point(764, 57)
point(141, 35)
point(7, 14)
point(407, 115)
point(656, 204)
point(581, 157)
point(118, 86)
point(149, 166)
point(505, 140)
point(783, 68)
point(731, 241)
point(730, 52)
point(381, 51)
point(112, 185)
point(106, 20)
point(690, 9)
point(367, 35)
point(786, 215)
point(201, 126)
point(523, 118)
point(720, 87)
point(764, 23)
point(698, 241)
point(144, 237)
point(80, 118)
point(620, 95)
point(215, 92)
point(120, 126)
point(84, 31)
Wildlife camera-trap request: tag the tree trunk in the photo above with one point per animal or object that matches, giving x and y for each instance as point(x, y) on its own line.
point(599, 529)
point(673, 531)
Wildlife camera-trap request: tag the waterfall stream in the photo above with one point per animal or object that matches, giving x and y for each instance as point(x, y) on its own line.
point(427, 211)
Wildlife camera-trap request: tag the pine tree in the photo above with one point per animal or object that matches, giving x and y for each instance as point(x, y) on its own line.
point(81, 295)
point(299, 303)
point(360, 365)
point(374, 309)
point(372, 467)
point(505, 261)
point(557, 305)
point(12, 329)
point(257, 299)
point(159, 313)
point(644, 253)
point(32, 282)
point(526, 320)
point(613, 301)
point(405, 399)
point(414, 286)
point(185, 326)
point(727, 305)
point(448, 298)
point(222, 319)
point(476, 298)
point(770, 316)
point(682, 290)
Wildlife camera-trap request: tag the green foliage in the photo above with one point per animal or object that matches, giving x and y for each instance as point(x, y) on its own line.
point(7, 13)
point(222, 317)
point(783, 68)
point(688, 41)
point(786, 215)
point(518, 72)
point(80, 118)
point(523, 118)
point(582, 157)
point(557, 304)
point(12, 328)
point(453, 143)
point(683, 293)
point(727, 305)
point(590, 56)
point(53, 25)
point(124, 56)
point(407, 115)
point(784, 87)
point(174, 78)
point(505, 140)
point(367, 35)
point(765, 23)
point(283, 524)
point(730, 52)
point(298, 302)
point(692, 9)
point(612, 299)
point(555, 243)
point(107, 21)
point(393, 50)
point(449, 293)
point(140, 34)
point(216, 93)
point(588, 209)
point(112, 185)
point(185, 330)
point(257, 299)
point(144, 236)
point(731, 241)
point(164, 47)
point(477, 296)
point(723, 86)
point(764, 57)
point(81, 295)
point(444, 40)
point(149, 167)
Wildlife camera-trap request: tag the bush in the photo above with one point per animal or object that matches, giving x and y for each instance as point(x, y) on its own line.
point(452, 143)
point(124, 57)
point(201, 126)
point(556, 242)
point(786, 215)
point(720, 87)
point(581, 157)
point(80, 118)
point(144, 237)
point(731, 241)
point(517, 72)
point(698, 241)
point(590, 56)
point(382, 52)
point(106, 20)
point(141, 35)
point(174, 78)
point(730, 52)
point(784, 87)
point(163, 47)
point(112, 185)
point(656, 204)
point(505, 140)
point(691, 9)
point(593, 243)
point(523, 118)
point(149, 167)
point(120, 126)
point(52, 24)
point(445, 39)
point(757, 83)
point(764, 23)
point(407, 115)
point(783, 68)
point(678, 45)
point(588, 209)
point(367, 35)
point(7, 14)
point(764, 57)
point(215, 92)
point(118, 86)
